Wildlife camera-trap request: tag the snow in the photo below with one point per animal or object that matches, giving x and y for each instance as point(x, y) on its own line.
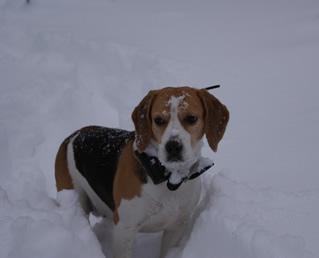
point(65, 64)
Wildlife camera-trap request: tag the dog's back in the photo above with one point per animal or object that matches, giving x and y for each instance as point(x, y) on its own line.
point(91, 153)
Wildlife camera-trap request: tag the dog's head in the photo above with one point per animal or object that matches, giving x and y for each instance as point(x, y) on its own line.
point(171, 122)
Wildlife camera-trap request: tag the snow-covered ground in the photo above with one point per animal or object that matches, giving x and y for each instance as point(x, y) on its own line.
point(69, 63)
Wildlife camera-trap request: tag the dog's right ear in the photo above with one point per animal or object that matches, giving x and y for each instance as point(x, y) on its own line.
point(141, 117)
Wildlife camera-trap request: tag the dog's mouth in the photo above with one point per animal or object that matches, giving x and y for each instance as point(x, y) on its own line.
point(175, 159)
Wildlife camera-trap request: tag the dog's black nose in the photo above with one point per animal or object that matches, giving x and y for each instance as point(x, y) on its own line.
point(174, 149)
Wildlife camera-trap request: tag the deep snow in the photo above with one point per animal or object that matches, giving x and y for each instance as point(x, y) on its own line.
point(65, 64)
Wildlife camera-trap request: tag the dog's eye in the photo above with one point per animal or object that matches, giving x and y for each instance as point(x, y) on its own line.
point(191, 119)
point(159, 121)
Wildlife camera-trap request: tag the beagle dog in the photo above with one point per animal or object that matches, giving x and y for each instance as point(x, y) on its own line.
point(142, 178)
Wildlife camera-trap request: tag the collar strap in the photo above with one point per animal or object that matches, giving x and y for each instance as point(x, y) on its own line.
point(159, 174)
point(153, 167)
point(191, 176)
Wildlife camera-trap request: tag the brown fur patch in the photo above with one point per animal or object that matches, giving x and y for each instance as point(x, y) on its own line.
point(128, 179)
point(62, 175)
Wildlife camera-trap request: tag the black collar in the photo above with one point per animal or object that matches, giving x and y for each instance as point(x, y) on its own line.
point(159, 174)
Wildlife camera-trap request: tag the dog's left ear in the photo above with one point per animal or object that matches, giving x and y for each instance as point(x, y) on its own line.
point(216, 118)
point(142, 121)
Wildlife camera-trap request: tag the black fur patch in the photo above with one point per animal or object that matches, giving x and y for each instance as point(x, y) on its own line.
point(96, 153)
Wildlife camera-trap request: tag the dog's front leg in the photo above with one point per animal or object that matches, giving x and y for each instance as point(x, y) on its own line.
point(172, 237)
point(123, 239)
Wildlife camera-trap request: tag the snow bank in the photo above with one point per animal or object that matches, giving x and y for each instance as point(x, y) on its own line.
point(240, 221)
point(45, 229)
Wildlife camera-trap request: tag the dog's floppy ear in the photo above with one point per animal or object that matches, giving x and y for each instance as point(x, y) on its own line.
point(216, 118)
point(142, 121)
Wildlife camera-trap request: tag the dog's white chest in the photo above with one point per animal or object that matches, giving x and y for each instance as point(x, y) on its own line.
point(159, 208)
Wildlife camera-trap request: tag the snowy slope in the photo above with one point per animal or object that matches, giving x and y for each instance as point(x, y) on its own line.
point(66, 63)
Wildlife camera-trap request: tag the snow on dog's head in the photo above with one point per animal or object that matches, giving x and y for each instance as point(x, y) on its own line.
point(170, 124)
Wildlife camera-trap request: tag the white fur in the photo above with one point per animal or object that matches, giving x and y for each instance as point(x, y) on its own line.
point(190, 155)
point(155, 210)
